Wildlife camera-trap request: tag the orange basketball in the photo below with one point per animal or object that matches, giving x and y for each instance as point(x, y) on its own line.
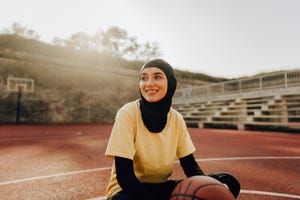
point(201, 188)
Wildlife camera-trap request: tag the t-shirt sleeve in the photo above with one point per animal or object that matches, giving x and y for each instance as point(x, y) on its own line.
point(185, 144)
point(121, 141)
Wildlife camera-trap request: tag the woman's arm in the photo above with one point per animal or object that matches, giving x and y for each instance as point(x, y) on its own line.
point(127, 179)
point(190, 166)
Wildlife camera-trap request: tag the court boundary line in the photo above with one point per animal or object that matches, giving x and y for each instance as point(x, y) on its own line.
point(109, 168)
point(42, 137)
point(248, 158)
point(54, 175)
point(265, 193)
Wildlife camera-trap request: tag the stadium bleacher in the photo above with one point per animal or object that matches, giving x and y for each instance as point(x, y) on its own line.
point(266, 102)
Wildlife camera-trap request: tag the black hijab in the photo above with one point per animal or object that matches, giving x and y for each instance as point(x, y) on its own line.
point(155, 114)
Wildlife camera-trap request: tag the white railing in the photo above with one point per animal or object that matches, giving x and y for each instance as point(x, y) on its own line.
point(276, 80)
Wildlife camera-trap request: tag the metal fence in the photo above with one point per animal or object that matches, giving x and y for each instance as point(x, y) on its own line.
point(276, 80)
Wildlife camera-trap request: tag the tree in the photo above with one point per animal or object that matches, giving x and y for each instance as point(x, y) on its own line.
point(20, 30)
point(114, 41)
point(148, 51)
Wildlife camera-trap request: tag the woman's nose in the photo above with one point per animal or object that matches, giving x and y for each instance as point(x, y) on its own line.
point(150, 81)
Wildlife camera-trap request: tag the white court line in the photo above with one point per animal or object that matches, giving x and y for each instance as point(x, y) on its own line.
point(248, 158)
point(109, 168)
point(270, 194)
point(98, 198)
point(43, 137)
point(54, 175)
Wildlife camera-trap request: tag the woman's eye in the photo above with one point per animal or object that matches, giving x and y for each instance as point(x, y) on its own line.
point(143, 78)
point(158, 77)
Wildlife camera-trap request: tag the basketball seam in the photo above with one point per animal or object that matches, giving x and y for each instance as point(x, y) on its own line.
point(179, 189)
point(202, 186)
point(188, 186)
point(196, 190)
point(186, 195)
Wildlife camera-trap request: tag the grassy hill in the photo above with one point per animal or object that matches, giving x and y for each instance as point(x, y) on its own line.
point(71, 86)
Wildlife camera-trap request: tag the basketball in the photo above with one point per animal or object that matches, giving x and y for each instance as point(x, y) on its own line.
point(201, 188)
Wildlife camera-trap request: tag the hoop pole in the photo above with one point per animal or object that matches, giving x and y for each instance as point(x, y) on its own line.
point(18, 107)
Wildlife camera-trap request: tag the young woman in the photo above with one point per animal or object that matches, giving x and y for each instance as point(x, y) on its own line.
point(147, 137)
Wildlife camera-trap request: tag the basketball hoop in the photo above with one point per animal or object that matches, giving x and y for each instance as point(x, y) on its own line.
point(15, 84)
point(19, 85)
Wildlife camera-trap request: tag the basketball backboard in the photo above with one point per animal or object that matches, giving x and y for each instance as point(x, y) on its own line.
point(15, 84)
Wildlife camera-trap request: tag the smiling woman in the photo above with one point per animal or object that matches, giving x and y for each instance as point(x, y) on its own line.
point(147, 137)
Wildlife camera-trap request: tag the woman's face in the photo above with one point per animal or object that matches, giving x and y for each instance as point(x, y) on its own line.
point(153, 84)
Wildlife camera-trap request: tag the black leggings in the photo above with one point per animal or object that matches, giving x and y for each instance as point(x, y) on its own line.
point(160, 191)
point(163, 191)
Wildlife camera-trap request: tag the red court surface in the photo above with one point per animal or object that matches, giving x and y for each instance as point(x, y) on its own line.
point(64, 162)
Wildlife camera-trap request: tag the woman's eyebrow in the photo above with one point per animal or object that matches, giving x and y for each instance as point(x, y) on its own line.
point(156, 73)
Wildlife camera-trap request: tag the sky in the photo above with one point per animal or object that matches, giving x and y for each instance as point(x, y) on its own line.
point(224, 38)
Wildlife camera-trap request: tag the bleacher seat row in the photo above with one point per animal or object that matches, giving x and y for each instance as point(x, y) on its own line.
point(272, 111)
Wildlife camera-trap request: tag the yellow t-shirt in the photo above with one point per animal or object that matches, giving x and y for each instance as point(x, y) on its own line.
point(153, 154)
